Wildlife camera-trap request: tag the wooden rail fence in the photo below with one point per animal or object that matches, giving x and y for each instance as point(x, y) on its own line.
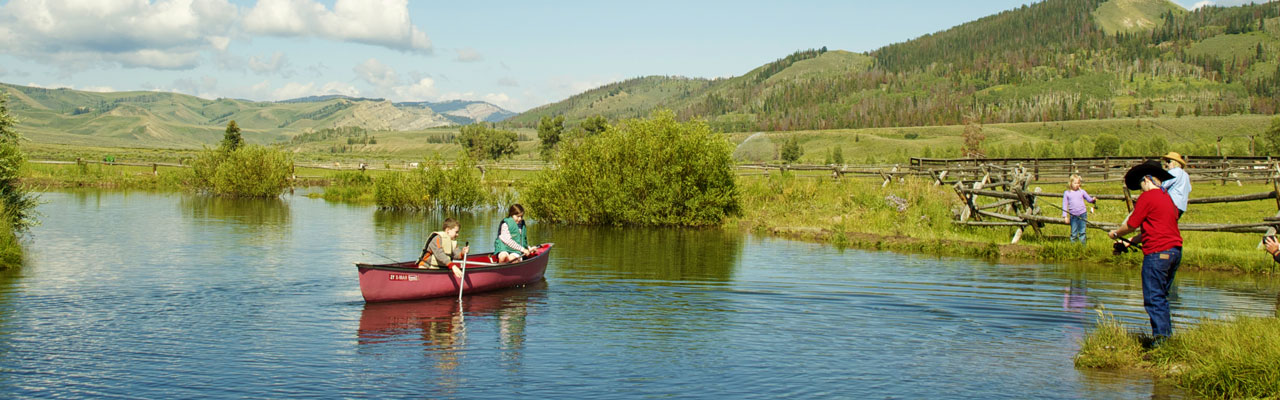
point(1016, 206)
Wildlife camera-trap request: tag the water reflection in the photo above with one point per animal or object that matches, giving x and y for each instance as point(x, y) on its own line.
point(136, 294)
point(440, 326)
point(1097, 384)
point(258, 219)
point(657, 254)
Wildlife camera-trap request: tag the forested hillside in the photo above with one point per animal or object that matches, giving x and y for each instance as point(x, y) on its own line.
point(1054, 60)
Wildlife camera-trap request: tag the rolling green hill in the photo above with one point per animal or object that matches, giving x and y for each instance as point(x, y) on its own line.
point(171, 120)
point(1130, 16)
point(1055, 60)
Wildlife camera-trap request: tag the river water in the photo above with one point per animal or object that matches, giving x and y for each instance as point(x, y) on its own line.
point(166, 295)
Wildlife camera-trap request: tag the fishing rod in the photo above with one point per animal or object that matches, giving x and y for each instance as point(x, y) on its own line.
point(1127, 242)
point(378, 254)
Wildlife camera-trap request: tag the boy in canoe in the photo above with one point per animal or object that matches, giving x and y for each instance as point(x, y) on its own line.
point(442, 248)
point(512, 244)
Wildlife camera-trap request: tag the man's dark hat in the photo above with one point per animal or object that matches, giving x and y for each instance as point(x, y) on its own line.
point(1133, 178)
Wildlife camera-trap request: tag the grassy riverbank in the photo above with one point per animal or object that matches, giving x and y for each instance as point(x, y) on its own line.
point(915, 216)
point(10, 250)
point(1237, 358)
point(855, 213)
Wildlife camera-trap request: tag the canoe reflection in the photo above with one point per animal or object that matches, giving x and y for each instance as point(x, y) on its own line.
point(439, 326)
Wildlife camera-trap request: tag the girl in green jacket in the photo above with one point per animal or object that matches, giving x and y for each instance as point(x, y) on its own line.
point(511, 243)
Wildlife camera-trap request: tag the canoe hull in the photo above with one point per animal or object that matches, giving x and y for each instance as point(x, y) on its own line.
point(401, 281)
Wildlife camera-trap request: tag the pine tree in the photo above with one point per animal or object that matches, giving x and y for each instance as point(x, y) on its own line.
point(232, 139)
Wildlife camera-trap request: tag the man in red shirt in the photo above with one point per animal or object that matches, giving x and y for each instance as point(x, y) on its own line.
point(1157, 215)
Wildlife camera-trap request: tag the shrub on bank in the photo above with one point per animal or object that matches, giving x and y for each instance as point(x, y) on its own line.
point(1238, 358)
point(16, 204)
point(432, 186)
point(655, 171)
point(248, 171)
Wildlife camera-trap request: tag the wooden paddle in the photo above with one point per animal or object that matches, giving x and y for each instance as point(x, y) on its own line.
point(463, 279)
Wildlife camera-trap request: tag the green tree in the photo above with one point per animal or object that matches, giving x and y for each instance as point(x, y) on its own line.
point(837, 155)
point(232, 140)
point(249, 171)
point(1271, 138)
point(550, 131)
point(791, 150)
point(1107, 145)
point(485, 143)
point(18, 205)
point(594, 125)
point(654, 171)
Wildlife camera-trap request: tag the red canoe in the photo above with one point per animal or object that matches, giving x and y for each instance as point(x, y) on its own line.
point(404, 281)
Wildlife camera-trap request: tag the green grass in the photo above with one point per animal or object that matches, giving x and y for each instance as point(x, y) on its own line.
point(1236, 358)
point(105, 176)
point(861, 213)
point(10, 250)
point(1188, 135)
point(1133, 15)
point(1227, 47)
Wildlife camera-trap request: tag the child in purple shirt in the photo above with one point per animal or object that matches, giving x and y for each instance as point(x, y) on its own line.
point(1073, 208)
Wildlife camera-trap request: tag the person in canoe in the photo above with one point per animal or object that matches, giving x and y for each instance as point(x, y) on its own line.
point(512, 244)
point(442, 248)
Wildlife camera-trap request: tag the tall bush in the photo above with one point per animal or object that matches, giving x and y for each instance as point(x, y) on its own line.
point(249, 171)
point(16, 204)
point(1271, 138)
point(654, 171)
point(433, 186)
point(484, 142)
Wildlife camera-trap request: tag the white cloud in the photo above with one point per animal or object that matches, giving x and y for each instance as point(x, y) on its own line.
point(508, 82)
point(500, 99)
point(293, 90)
point(204, 87)
point(134, 33)
point(377, 74)
point(264, 67)
point(100, 89)
point(469, 55)
point(383, 23)
point(423, 89)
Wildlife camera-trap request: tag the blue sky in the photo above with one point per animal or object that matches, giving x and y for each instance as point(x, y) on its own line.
point(517, 55)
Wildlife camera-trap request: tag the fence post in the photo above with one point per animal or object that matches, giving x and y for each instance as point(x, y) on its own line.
point(1128, 199)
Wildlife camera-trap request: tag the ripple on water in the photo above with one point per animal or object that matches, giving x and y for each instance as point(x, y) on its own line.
point(259, 300)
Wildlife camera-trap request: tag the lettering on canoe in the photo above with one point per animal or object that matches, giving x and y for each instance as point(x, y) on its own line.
point(403, 277)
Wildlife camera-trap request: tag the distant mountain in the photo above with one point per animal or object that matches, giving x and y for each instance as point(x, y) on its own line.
point(627, 99)
point(162, 119)
point(318, 99)
point(467, 111)
point(1050, 61)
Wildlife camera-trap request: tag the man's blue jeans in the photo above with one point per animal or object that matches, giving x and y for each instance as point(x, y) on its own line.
point(1078, 223)
point(1158, 270)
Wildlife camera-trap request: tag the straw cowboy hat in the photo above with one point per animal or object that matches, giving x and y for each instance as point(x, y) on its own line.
point(1175, 157)
point(1133, 178)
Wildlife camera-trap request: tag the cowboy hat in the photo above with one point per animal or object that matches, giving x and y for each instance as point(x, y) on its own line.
point(1133, 178)
point(1175, 157)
